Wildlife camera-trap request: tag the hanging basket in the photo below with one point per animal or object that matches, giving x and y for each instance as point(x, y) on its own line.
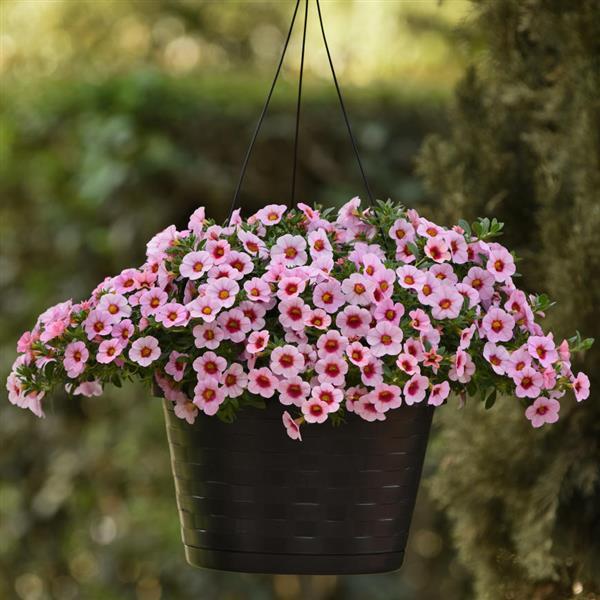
point(252, 500)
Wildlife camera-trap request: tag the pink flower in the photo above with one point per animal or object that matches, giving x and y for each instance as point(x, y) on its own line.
point(543, 349)
point(293, 390)
point(408, 363)
point(314, 411)
point(371, 373)
point(144, 351)
point(291, 427)
point(428, 229)
point(500, 264)
point(439, 392)
point(126, 282)
point(331, 396)
point(172, 314)
point(402, 231)
point(431, 284)
point(331, 344)
point(262, 382)
point(445, 273)
point(386, 397)
point(240, 262)
point(385, 339)
point(353, 322)
point(446, 303)
point(209, 365)
point(76, 355)
point(254, 313)
point(414, 347)
point(419, 320)
point(466, 335)
point(123, 331)
point(205, 308)
point(235, 381)
point(457, 246)
point(410, 277)
point(415, 389)
point(437, 249)
point(218, 251)
point(498, 325)
point(293, 313)
point(88, 389)
point(481, 281)
point(208, 396)
point(257, 341)
point(116, 305)
point(271, 214)
point(432, 359)
point(365, 408)
point(358, 290)
point(318, 319)
point(497, 356)
point(329, 296)
point(581, 386)
point(235, 325)
point(290, 287)
point(257, 290)
point(543, 410)
point(388, 310)
point(357, 354)
point(467, 369)
point(223, 291)
point(331, 370)
point(517, 361)
point(467, 292)
point(208, 335)
point(109, 350)
point(195, 264)
point(286, 361)
point(529, 383)
point(353, 394)
point(318, 243)
point(151, 301)
point(98, 322)
point(197, 220)
point(176, 365)
point(185, 409)
point(290, 249)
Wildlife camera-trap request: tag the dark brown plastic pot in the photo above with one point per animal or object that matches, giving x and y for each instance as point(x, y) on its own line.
point(339, 502)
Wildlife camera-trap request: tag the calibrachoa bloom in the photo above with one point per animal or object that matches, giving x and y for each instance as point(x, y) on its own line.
point(325, 314)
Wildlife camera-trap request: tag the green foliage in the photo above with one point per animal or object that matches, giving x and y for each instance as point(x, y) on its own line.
point(524, 146)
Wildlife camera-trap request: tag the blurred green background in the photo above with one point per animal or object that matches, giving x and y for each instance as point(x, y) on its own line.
point(120, 117)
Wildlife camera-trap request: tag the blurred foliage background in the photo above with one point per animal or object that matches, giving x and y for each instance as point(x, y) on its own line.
point(119, 117)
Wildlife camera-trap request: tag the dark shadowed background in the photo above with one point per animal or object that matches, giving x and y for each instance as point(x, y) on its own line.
point(118, 118)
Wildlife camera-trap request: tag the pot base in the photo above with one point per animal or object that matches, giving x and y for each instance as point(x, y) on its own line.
point(294, 564)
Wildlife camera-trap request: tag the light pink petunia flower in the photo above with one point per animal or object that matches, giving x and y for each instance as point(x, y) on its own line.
point(195, 264)
point(439, 393)
point(293, 313)
point(76, 356)
point(385, 338)
point(218, 251)
point(329, 395)
point(543, 349)
point(172, 314)
point(415, 389)
point(176, 365)
point(481, 281)
point(88, 389)
point(208, 395)
point(419, 320)
point(286, 361)
point(358, 354)
point(235, 325)
point(331, 370)
point(257, 290)
point(235, 381)
point(581, 386)
point(257, 341)
point(262, 382)
point(109, 350)
point(358, 290)
point(497, 356)
point(446, 303)
point(293, 390)
point(207, 335)
point(318, 319)
point(98, 323)
point(223, 291)
point(205, 308)
point(329, 296)
point(543, 410)
point(291, 427)
point(144, 351)
point(365, 408)
point(371, 373)
point(498, 325)
point(185, 409)
point(529, 383)
point(386, 397)
point(290, 250)
point(501, 264)
point(388, 310)
point(410, 277)
point(437, 249)
point(353, 322)
point(151, 300)
point(408, 363)
point(314, 411)
point(115, 305)
point(209, 365)
point(331, 344)
point(271, 214)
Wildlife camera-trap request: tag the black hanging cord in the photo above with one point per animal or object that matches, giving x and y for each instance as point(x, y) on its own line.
point(343, 107)
point(298, 105)
point(264, 112)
